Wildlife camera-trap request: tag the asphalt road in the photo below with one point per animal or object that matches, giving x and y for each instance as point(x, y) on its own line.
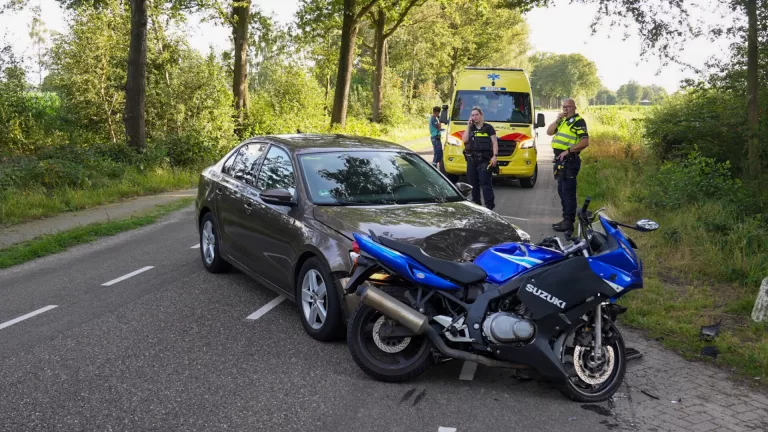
point(172, 348)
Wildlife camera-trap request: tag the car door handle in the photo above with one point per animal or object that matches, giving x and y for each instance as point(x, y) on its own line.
point(248, 207)
point(218, 191)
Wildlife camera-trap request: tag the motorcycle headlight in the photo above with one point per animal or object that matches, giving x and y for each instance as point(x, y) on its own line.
point(527, 144)
point(452, 140)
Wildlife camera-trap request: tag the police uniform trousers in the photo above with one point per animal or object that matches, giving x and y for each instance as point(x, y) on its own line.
point(480, 178)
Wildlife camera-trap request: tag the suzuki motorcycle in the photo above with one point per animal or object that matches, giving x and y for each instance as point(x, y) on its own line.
point(549, 307)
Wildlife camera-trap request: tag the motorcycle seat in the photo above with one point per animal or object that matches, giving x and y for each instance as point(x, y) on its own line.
point(462, 272)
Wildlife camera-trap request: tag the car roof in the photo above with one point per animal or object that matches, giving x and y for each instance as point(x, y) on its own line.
point(313, 143)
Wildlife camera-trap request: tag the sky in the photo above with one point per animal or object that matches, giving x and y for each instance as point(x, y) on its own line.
point(563, 29)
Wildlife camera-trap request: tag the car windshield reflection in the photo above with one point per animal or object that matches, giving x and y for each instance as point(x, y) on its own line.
point(373, 178)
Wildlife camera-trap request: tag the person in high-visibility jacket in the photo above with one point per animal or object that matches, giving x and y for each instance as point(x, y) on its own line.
point(570, 138)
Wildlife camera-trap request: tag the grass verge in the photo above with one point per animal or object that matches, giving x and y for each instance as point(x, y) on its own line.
point(50, 244)
point(703, 266)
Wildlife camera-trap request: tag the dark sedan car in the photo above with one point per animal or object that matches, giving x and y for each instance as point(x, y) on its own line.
point(282, 209)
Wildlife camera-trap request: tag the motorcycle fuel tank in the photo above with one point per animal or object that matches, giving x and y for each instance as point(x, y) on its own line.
point(507, 260)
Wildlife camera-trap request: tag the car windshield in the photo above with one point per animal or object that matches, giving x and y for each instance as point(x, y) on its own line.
point(497, 106)
point(374, 178)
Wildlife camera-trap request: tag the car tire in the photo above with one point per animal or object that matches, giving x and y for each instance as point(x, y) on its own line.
point(316, 292)
point(209, 246)
point(529, 182)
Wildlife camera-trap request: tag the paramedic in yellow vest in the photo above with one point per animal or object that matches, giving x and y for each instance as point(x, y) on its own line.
point(570, 138)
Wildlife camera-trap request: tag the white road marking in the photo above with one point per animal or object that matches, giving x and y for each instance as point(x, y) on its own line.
point(468, 371)
point(446, 429)
point(23, 317)
point(512, 217)
point(129, 275)
point(197, 246)
point(266, 308)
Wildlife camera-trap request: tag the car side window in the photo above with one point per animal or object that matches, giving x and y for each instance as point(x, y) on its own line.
point(277, 171)
point(227, 168)
point(245, 166)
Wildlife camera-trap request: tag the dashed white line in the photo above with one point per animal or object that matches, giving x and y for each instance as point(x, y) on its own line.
point(197, 246)
point(266, 308)
point(23, 317)
point(446, 429)
point(512, 217)
point(468, 371)
point(129, 275)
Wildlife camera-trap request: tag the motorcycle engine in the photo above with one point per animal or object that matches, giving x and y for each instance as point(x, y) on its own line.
point(505, 327)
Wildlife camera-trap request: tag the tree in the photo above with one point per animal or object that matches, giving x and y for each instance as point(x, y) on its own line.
point(604, 96)
point(630, 93)
point(471, 43)
point(557, 76)
point(386, 11)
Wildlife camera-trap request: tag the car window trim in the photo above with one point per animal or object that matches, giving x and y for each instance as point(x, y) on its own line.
point(290, 159)
point(235, 153)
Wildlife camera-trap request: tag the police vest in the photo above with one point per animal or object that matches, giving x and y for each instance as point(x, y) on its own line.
point(481, 140)
point(565, 138)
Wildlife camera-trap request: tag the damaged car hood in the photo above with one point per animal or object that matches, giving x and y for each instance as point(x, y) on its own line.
point(456, 231)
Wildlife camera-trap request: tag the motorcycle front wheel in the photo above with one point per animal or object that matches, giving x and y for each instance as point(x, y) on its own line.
point(388, 359)
point(592, 379)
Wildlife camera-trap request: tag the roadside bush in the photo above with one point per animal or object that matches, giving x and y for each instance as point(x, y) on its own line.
point(692, 180)
point(701, 120)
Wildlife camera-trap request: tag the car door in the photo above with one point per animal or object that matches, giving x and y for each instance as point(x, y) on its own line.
point(234, 191)
point(275, 228)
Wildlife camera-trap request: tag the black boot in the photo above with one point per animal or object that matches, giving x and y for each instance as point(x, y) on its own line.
point(563, 225)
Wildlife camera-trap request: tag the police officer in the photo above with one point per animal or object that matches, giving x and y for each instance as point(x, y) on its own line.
point(480, 150)
point(570, 138)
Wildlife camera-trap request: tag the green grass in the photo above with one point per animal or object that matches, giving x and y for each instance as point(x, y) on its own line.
point(17, 206)
point(55, 243)
point(703, 265)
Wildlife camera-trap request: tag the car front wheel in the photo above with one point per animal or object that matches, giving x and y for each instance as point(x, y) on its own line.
point(318, 302)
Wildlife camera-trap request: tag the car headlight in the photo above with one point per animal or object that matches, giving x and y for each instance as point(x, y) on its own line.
point(529, 143)
point(452, 140)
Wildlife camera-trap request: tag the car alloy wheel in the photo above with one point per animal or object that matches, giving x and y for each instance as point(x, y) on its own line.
point(314, 299)
point(208, 243)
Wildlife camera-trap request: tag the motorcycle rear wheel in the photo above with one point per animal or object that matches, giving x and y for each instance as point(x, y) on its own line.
point(386, 359)
point(589, 381)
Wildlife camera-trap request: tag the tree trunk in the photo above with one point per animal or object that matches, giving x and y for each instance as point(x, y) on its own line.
point(349, 30)
point(136, 85)
point(378, 74)
point(240, 17)
point(753, 143)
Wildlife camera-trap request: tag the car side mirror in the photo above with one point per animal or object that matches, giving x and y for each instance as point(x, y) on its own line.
point(464, 188)
point(277, 196)
point(540, 120)
point(444, 115)
point(646, 225)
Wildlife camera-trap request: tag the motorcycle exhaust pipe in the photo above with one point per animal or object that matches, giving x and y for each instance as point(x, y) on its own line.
point(412, 319)
point(419, 324)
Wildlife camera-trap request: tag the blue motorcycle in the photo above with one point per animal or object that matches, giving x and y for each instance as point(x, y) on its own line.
point(549, 307)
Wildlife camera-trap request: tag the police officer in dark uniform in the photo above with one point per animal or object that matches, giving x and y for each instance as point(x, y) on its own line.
point(480, 150)
point(570, 138)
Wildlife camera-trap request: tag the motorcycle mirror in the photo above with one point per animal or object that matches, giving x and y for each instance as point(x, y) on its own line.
point(646, 225)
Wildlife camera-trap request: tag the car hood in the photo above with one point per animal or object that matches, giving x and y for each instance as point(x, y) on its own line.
point(452, 231)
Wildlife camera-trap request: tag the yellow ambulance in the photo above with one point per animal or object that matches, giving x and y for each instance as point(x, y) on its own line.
point(504, 95)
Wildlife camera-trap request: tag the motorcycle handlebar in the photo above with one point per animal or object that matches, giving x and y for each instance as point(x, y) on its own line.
point(586, 205)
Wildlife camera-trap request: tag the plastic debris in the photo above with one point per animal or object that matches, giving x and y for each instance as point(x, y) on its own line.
point(710, 351)
point(633, 354)
point(649, 394)
point(710, 332)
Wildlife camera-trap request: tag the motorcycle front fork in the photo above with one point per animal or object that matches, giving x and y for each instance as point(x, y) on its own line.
point(598, 332)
